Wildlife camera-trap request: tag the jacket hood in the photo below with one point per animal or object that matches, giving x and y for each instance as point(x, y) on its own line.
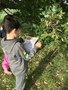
point(7, 45)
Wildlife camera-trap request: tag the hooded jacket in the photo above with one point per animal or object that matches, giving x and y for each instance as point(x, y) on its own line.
point(14, 50)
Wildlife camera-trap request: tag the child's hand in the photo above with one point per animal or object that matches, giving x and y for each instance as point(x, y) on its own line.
point(7, 72)
point(38, 44)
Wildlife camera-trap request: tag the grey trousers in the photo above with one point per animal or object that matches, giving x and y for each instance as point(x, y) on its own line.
point(20, 81)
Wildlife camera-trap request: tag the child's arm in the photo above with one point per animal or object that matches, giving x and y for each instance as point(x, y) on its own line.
point(30, 45)
point(31, 48)
point(5, 63)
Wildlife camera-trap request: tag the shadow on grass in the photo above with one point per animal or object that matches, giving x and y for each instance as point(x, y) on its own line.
point(65, 83)
point(39, 69)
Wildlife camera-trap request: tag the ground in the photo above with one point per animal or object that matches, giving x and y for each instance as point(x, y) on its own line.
point(48, 70)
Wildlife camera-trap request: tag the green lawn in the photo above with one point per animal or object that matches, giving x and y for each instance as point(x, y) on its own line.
point(48, 70)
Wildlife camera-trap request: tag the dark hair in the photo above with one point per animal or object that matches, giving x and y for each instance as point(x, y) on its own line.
point(10, 22)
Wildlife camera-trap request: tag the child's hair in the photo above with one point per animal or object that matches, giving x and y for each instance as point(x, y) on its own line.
point(10, 22)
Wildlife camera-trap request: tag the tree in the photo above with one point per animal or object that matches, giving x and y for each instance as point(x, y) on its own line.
point(45, 18)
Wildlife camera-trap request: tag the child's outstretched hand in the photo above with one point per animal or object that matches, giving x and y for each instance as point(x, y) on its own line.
point(35, 41)
point(7, 72)
point(38, 44)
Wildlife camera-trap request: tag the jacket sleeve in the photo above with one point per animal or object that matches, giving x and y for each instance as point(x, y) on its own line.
point(29, 48)
point(26, 49)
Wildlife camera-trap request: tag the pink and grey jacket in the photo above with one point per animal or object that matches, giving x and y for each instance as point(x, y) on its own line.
point(28, 47)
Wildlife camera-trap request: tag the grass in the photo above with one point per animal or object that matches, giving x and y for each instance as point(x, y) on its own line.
point(48, 70)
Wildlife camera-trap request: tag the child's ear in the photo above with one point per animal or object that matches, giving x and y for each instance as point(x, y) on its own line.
point(14, 30)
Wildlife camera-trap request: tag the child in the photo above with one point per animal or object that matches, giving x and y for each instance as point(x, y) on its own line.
point(28, 44)
point(14, 49)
